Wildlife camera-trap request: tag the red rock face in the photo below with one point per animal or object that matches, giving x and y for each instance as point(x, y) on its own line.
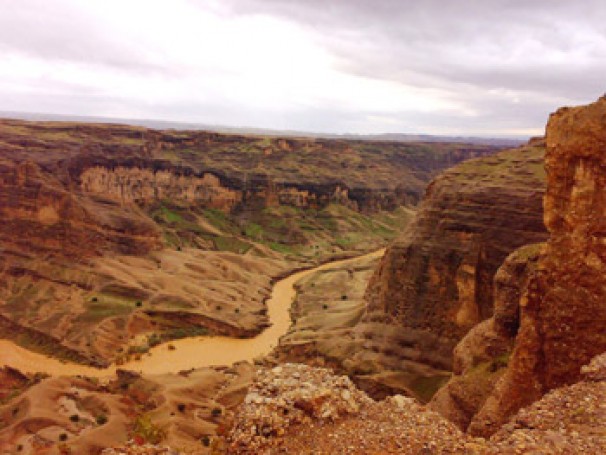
point(436, 280)
point(563, 313)
point(41, 217)
point(571, 292)
point(480, 358)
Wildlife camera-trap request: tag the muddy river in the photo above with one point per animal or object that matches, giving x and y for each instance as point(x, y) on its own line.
point(190, 352)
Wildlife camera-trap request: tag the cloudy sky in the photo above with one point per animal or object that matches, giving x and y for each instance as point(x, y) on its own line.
point(474, 67)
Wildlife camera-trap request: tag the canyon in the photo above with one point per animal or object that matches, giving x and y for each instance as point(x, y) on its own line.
point(433, 284)
point(480, 330)
point(145, 236)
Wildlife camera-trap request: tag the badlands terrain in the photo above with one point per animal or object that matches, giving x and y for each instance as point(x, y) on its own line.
point(136, 261)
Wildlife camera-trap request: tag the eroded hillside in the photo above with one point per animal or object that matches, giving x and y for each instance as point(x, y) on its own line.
point(117, 238)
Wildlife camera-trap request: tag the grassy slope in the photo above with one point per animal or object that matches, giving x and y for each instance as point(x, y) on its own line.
point(297, 233)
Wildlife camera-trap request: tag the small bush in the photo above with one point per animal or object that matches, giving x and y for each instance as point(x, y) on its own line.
point(216, 412)
point(139, 303)
point(325, 306)
point(94, 299)
point(63, 437)
point(153, 340)
point(148, 431)
point(101, 419)
point(343, 297)
point(181, 407)
point(205, 440)
point(74, 418)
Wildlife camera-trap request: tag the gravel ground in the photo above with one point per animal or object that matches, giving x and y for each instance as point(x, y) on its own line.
point(297, 409)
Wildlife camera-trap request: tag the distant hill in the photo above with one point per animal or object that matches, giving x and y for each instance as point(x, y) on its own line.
point(163, 124)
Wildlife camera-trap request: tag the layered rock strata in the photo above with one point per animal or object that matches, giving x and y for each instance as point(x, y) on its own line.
point(481, 357)
point(401, 341)
point(436, 281)
point(563, 315)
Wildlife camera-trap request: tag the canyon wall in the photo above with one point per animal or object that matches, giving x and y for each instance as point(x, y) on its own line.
point(67, 187)
point(562, 311)
point(435, 281)
point(148, 185)
point(41, 217)
point(481, 357)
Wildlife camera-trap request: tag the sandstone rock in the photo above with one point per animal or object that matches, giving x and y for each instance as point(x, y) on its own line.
point(595, 370)
point(435, 282)
point(566, 420)
point(276, 402)
point(481, 356)
point(562, 312)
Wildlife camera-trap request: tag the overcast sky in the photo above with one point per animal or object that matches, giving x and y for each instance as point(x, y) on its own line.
point(472, 67)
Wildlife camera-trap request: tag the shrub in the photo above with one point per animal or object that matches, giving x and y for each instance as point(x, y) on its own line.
point(216, 412)
point(63, 437)
point(139, 303)
point(343, 297)
point(74, 418)
point(101, 419)
point(153, 340)
point(205, 440)
point(181, 407)
point(148, 431)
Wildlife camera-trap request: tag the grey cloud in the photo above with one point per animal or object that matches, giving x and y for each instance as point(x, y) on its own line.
point(508, 63)
point(486, 44)
point(61, 30)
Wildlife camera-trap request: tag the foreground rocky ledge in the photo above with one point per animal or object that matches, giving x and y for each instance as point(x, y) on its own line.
point(294, 408)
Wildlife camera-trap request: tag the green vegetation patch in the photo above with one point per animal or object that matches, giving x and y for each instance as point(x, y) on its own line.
point(254, 231)
point(231, 244)
point(425, 387)
point(102, 306)
point(145, 430)
point(219, 219)
point(167, 215)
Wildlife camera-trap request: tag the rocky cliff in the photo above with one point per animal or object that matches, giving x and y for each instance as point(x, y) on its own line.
point(435, 282)
point(562, 311)
point(138, 164)
point(481, 357)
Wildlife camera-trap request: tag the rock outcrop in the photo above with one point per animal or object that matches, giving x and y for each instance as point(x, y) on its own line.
point(481, 357)
point(566, 420)
point(41, 217)
point(328, 415)
point(563, 315)
point(436, 281)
